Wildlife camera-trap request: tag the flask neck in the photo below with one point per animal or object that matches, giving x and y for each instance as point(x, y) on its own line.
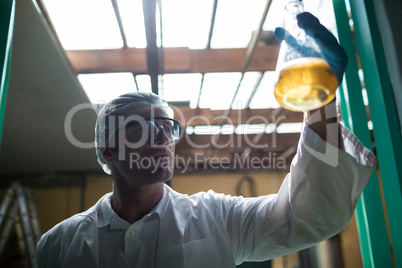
point(292, 9)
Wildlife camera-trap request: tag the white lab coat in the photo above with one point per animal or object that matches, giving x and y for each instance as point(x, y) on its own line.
point(314, 202)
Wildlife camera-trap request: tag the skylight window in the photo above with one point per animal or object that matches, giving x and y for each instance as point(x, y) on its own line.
point(227, 129)
point(207, 130)
point(181, 87)
point(275, 16)
point(242, 129)
point(250, 81)
point(132, 17)
point(289, 128)
point(218, 90)
point(190, 130)
point(102, 88)
point(235, 21)
point(89, 24)
point(264, 97)
point(92, 24)
point(144, 82)
point(186, 23)
point(270, 128)
point(250, 129)
point(211, 130)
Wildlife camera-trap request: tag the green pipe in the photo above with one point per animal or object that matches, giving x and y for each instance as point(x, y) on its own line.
point(386, 128)
point(7, 14)
point(374, 244)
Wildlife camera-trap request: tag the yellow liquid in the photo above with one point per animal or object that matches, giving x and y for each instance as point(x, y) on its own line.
point(305, 84)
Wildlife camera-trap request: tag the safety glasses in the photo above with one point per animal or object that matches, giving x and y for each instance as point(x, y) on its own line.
point(153, 128)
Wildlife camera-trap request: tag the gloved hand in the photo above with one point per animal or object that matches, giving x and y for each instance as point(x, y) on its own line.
point(333, 52)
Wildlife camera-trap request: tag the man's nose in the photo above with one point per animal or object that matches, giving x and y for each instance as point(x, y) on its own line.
point(161, 137)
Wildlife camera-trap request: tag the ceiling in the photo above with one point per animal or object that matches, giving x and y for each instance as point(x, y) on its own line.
point(44, 88)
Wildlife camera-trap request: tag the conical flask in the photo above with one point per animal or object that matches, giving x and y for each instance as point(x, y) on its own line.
point(305, 80)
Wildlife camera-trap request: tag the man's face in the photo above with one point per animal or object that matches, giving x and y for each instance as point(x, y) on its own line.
point(145, 149)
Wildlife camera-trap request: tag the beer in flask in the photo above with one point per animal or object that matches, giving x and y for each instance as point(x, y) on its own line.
point(305, 80)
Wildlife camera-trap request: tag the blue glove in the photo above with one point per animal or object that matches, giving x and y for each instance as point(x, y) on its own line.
point(332, 51)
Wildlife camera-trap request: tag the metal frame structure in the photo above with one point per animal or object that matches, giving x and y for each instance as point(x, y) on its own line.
point(378, 247)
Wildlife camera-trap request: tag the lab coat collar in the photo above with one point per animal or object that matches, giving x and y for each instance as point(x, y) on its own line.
point(173, 210)
point(107, 216)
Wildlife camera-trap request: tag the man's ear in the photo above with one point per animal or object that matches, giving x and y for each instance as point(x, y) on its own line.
point(108, 155)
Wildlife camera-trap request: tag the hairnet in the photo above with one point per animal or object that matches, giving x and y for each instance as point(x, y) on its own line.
point(125, 105)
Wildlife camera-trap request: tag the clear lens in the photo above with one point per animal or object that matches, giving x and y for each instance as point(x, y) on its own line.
point(137, 130)
point(169, 126)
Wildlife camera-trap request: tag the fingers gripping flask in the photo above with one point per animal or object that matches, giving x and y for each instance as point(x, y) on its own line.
point(305, 79)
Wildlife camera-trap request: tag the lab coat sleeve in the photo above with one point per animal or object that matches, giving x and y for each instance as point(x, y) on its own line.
point(315, 201)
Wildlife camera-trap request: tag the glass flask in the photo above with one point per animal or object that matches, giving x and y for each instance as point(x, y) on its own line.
point(305, 79)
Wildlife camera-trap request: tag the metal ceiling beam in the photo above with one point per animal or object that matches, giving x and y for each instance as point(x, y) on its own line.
point(211, 27)
point(247, 60)
point(254, 91)
point(161, 51)
point(176, 60)
point(122, 32)
point(136, 82)
point(196, 117)
point(256, 37)
point(210, 33)
point(119, 22)
point(250, 52)
point(272, 119)
point(200, 92)
point(149, 9)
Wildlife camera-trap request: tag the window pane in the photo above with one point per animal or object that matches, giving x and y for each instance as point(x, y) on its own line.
point(247, 86)
point(207, 130)
point(186, 23)
point(218, 90)
point(181, 87)
point(235, 21)
point(102, 88)
point(275, 16)
point(264, 96)
point(250, 129)
point(144, 82)
point(132, 17)
point(89, 24)
point(289, 128)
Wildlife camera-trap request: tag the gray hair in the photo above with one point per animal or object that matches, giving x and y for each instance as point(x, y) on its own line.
point(138, 102)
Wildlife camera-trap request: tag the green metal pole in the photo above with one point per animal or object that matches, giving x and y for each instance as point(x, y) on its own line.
point(386, 128)
point(374, 244)
point(7, 12)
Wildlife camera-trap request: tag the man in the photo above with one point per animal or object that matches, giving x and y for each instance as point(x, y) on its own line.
point(144, 223)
